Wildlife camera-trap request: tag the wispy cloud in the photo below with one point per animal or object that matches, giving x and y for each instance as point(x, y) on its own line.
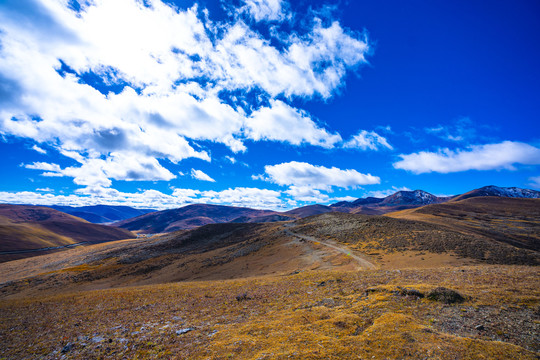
point(502, 155)
point(387, 192)
point(534, 182)
point(200, 175)
point(39, 150)
point(367, 140)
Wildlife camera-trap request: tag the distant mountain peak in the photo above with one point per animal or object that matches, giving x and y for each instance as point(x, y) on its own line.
point(416, 197)
point(492, 190)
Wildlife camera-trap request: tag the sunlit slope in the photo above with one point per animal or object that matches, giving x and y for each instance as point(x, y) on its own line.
point(21, 236)
point(511, 221)
point(373, 314)
point(24, 228)
point(383, 236)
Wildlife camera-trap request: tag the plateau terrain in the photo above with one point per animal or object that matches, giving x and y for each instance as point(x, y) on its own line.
point(452, 279)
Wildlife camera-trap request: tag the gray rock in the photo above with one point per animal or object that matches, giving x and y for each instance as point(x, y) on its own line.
point(67, 348)
point(183, 331)
point(98, 339)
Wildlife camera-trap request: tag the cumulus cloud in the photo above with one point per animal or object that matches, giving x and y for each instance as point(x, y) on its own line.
point(302, 174)
point(200, 175)
point(242, 196)
point(367, 140)
point(248, 197)
point(307, 194)
point(264, 10)
point(281, 122)
point(476, 157)
point(98, 172)
point(128, 77)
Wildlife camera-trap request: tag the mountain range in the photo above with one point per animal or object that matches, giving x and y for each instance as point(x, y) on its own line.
point(458, 275)
point(192, 216)
point(34, 230)
point(102, 214)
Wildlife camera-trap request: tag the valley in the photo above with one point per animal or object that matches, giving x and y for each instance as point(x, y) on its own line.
point(446, 280)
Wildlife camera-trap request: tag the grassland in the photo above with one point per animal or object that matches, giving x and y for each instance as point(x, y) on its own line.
point(331, 286)
point(309, 315)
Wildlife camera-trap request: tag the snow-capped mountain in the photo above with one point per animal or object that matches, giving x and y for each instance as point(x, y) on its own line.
point(416, 197)
point(491, 190)
point(410, 199)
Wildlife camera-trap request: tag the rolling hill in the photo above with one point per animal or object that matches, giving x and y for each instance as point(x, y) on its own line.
point(235, 250)
point(192, 216)
point(513, 221)
point(451, 280)
point(402, 200)
point(189, 217)
point(100, 214)
point(26, 229)
point(491, 190)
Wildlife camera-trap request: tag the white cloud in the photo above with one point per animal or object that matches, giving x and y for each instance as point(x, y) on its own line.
point(249, 197)
point(241, 196)
point(365, 140)
point(231, 159)
point(343, 198)
point(152, 59)
point(314, 176)
point(43, 166)
point(45, 189)
point(98, 172)
point(307, 194)
point(387, 192)
point(39, 150)
point(535, 182)
point(200, 175)
point(281, 122)
point(476, 157)
point(264, 10)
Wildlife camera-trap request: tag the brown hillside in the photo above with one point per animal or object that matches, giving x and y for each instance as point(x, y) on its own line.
point(24, 228)
point(382, 235)
point(188, 217)
point(511, 221)
point(309, 289)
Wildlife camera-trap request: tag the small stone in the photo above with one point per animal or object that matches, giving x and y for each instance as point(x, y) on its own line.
point(98, 339)
point(479, 327)
point(242, 297)
point(67, 348)
point(183, 331)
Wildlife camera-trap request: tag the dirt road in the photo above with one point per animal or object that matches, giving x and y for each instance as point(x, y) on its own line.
point(363, 263)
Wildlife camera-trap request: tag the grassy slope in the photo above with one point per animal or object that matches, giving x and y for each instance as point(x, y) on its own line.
point(506, 220)
point(310, 315)
point(305, 306)
point(383, 237)
point(34, 227)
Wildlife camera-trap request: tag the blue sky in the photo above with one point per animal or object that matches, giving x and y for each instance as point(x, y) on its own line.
point(265, 103)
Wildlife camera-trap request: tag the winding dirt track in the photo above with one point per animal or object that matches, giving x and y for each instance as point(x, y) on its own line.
point(342, 249)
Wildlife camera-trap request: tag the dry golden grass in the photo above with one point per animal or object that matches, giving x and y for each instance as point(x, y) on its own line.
point(309, 315)
point(263, 292)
